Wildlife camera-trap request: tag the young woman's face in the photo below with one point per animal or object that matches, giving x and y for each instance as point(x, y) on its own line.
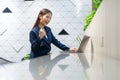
point(45, 19)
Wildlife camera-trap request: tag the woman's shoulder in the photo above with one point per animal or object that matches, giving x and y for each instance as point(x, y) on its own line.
point(47, 27)
point(35, 29)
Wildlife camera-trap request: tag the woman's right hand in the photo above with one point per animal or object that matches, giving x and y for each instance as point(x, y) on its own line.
point(74, 49)
point(41, 33)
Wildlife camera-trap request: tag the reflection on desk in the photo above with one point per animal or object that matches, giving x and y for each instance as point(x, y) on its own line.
point(62, 67)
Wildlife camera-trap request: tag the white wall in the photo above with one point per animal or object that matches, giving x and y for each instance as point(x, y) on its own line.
point(104, 31)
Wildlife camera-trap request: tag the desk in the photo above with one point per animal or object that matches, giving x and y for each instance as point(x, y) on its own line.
point(61, 67)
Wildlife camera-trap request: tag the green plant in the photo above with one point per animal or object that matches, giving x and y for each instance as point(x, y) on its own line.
point(78, 39)
point(88, 19)
point(96, 3)
point(26, 57)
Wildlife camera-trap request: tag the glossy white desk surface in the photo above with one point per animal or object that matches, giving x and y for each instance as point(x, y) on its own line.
point(61, 67)
point(104, 67)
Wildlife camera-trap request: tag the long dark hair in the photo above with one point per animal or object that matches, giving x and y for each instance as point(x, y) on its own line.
point(41, 13)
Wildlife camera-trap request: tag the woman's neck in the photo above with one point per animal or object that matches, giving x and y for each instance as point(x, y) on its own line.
point(41, 26)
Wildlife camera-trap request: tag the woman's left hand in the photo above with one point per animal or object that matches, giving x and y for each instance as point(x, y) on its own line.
point(74, 49)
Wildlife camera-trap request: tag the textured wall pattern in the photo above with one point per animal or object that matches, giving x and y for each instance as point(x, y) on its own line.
point(18, 16)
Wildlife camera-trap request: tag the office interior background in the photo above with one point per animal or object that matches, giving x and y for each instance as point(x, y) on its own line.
point(17, 18)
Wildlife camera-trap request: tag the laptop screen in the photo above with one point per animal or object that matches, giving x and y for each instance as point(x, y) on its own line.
point(83, 44)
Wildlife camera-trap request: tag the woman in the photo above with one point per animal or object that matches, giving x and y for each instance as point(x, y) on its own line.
point(41, 36)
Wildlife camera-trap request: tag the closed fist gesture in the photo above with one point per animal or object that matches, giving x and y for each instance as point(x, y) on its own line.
point(41, 33)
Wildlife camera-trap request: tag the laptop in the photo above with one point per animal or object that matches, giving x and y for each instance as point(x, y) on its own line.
point(81, 47)
point(81, 54)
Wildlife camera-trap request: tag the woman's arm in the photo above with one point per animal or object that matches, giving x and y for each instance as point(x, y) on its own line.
point(58, 43)
point(35, 41)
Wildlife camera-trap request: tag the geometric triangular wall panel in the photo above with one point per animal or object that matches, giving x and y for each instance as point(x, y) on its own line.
point(63, 32)
point(4, 61)
point(7, 10)
point(2, 31)
point(29, 2)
